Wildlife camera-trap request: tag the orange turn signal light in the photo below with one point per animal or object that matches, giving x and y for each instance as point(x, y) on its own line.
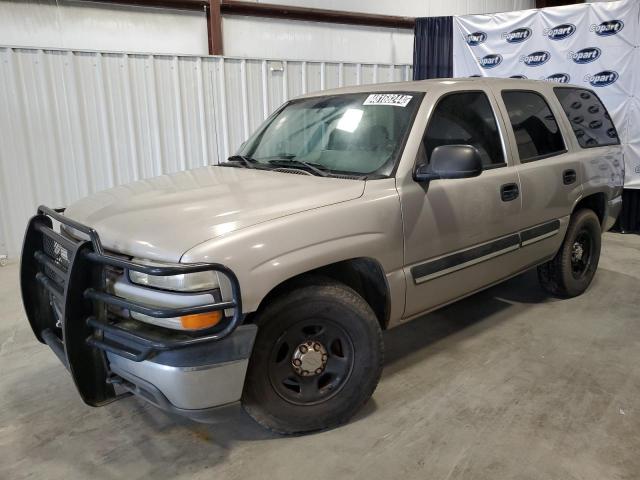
point(201, 320)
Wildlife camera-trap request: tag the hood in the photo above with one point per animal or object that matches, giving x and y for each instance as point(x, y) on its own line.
point(161, 218)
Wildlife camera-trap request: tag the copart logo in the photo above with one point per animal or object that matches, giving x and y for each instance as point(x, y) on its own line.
point(560, 32)
point(490, 61)
point(518, 35)
point(535, 59)
point(586, 55)
point(606, 29)
point(559, 78)
point(602, 79)
point(476, 38)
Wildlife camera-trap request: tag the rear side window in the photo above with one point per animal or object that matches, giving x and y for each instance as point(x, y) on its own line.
point(589, 118)
point(465, 118)
point(536, 129)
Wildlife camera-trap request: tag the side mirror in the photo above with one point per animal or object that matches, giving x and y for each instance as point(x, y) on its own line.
point(450, 161)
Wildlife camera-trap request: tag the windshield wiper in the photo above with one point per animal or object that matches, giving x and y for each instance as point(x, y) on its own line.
point(247, 162)
point(313, 167)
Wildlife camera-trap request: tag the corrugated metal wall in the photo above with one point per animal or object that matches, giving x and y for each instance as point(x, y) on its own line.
point(75, 122)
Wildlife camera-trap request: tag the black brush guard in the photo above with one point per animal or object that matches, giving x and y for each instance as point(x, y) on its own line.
point(63, 283)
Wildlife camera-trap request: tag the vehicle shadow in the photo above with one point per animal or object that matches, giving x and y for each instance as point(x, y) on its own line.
point(463, 318)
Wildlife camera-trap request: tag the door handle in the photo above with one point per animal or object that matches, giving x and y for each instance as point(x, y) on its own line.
point(569, 176)
point(509, 192)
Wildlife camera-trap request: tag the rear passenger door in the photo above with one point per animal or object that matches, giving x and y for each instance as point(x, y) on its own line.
point(549, 173)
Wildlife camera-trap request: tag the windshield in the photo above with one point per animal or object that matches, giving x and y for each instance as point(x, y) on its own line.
point(358, 134)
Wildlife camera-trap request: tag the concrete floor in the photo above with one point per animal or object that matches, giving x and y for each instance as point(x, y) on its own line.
point(506, 384)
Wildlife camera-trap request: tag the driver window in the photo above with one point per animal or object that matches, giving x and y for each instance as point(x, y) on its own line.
point(465, 118)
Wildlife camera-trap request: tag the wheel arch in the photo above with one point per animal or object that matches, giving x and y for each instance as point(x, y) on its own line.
point(597, 202)
point(365, 275)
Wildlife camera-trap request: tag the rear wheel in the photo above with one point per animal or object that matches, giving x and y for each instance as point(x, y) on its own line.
point(571, 271)
point(317, 359)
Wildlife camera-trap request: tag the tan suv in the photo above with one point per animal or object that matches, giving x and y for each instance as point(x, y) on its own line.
point(269, 278)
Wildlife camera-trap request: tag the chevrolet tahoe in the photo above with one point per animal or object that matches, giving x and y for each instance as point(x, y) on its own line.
point(266, 280)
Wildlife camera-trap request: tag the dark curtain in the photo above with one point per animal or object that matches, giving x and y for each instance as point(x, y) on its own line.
point(555, 3)
point(629, 219)
point(433, 48)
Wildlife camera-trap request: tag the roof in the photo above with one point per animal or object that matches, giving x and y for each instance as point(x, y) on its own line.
point(439, 83)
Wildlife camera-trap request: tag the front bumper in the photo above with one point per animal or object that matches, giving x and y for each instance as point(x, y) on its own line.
point(193, 381)
point(64, 290)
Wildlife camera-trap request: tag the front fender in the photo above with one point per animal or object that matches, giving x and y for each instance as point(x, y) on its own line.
point(267, 254)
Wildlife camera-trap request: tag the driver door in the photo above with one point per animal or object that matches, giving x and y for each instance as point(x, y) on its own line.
point(460, 234)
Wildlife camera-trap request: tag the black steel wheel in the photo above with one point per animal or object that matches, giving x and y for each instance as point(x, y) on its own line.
point(317, 359)
point(571, 271)
point(581, 257)
point(311, 361)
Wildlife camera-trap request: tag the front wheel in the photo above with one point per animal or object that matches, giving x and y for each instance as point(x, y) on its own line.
point(317, 359)
point(574, 266)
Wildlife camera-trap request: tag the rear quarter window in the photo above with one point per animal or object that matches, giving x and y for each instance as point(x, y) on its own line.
point(589, 118)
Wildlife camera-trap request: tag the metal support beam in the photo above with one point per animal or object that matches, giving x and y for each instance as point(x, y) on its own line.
point(214, 27)
point(232, 7)
point(177, 4)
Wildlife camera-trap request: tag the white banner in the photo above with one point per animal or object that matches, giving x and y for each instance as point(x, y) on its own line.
point(593, 45)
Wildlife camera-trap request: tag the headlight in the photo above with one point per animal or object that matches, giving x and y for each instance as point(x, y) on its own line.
point(188, 282)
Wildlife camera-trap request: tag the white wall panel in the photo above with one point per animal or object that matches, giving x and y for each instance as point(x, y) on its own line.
point(275, 38)
point(84, 25)
point(75, 122)
point(250, 36)
point(98, 26)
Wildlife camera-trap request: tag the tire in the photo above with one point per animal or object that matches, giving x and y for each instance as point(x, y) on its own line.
point(571, 271)
point(324, 326)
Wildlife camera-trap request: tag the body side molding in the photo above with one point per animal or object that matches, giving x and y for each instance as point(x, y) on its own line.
point(467, 257)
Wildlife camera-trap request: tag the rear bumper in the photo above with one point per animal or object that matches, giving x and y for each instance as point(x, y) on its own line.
point(65, 292)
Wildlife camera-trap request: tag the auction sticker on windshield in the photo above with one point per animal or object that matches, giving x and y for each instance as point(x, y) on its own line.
point(393, 99)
